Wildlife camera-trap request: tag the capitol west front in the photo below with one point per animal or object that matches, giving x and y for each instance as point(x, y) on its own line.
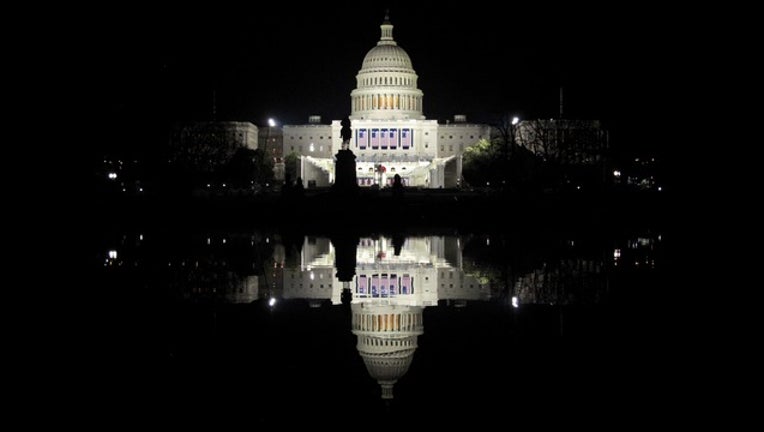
point(390, 132)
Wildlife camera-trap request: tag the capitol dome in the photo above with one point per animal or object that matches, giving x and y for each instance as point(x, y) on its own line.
point(386, 85)
point(387, 56)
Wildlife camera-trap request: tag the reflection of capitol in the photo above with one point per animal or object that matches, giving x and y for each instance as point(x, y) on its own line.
point(387, 338)
point(389, 294)
point(426, 270)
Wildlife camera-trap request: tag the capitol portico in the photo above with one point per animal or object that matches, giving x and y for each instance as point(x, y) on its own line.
point(390, 132)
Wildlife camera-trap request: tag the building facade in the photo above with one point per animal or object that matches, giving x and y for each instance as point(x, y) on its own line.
point(205, 146)
point(390, 132)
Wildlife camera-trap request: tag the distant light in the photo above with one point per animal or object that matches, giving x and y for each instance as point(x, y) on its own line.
point(272, 302)
point(113, 254)
point(267, 240)
point(515, 120)
point(617, 173)
point(515, 302)
point(488, 241)
point(617, 253)
point(208, 240)
point(208, 185)
point(223, 241)
point(112, 175)
point(224, 185)
point(140, 189)
point(578, 187)
point(660, 188)
point(271, 122)
point(140, 236)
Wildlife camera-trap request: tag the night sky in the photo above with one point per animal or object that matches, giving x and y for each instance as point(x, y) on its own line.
point(288, 62)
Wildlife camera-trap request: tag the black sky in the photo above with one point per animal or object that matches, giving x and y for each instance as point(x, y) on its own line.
point(289, 61)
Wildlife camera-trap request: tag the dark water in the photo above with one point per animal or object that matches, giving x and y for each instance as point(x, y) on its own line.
point(284, 328)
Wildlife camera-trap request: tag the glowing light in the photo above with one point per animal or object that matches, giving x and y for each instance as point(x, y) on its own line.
point(487, 241)
point(223, 241)
point(112, 175)
point(578, 187)
point(660, 188)
point(312, 147)
point(617, 173)
point(140, 189)
point(312, 276)
point(272, 302)
point(208, 240)
point(617, 253)
point(140, 236)
point(113, 254)
point(515, 302)
point(515, 120)
point(271, 122)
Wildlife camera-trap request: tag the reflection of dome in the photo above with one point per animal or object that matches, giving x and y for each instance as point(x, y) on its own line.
point(387, 338)
point(386, 85)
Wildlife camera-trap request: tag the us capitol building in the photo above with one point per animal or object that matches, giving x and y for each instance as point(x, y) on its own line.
point(390, 132)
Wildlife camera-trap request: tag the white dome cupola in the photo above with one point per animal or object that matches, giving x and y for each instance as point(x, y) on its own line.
point(386, 85)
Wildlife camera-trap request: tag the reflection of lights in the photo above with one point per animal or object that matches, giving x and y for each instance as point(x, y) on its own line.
point(113, 254)
point(617, 253)
point(272, 302)
point(515, 301)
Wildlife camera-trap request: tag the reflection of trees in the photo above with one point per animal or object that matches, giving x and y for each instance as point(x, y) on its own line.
point(568, 281)
point(215, 267)
point(537, 270)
